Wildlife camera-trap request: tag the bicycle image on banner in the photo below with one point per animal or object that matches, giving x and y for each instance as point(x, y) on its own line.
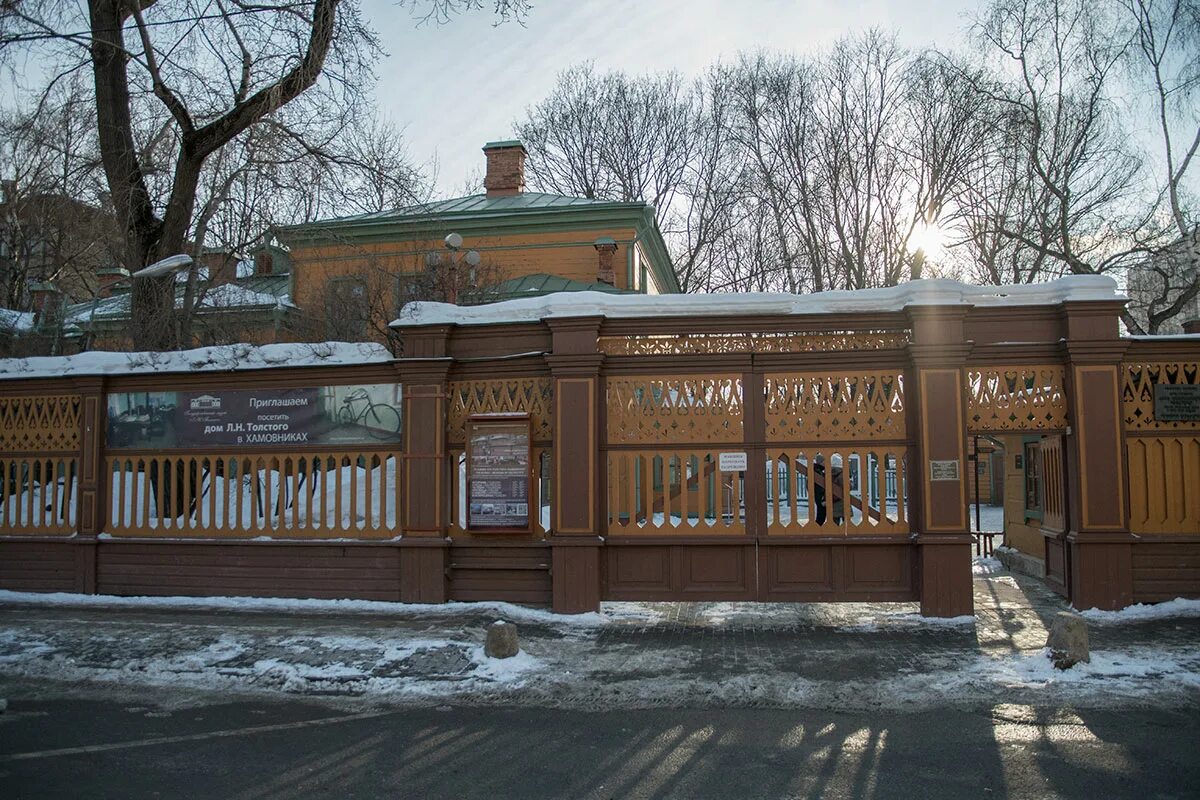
point(357, 414)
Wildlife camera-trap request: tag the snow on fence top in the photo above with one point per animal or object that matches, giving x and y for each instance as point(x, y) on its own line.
point(892, 298)
point(221, 358)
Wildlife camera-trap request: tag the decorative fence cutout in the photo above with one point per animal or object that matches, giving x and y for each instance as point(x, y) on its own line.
point(814, 407)
point(1020, 398)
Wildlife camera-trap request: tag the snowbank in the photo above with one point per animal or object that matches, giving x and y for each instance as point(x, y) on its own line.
point(892, 298)
point(508, 611)
point(221, 358)
point(1179, 607)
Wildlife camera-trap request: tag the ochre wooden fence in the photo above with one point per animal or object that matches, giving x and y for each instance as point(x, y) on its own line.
point(815, 455)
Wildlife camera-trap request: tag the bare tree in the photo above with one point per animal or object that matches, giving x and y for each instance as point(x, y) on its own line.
point(1065, 57)
point(1165, 60)
point(183, 79)
point(55, 224)
point(613, 136)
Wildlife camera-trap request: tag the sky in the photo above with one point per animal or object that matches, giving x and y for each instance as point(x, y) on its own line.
point(458, 85)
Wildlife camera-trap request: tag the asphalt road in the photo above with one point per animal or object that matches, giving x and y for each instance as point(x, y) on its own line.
point(75, 742)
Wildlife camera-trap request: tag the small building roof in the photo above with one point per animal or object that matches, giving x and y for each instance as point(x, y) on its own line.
point(480, 215)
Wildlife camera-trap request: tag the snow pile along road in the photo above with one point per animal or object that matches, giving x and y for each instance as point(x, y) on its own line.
point(840, 656)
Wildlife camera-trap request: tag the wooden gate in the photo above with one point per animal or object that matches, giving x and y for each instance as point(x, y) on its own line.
point(751, 485)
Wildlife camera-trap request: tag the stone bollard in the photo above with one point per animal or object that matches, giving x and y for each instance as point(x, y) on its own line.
point(501, 640)
point(1068, 640)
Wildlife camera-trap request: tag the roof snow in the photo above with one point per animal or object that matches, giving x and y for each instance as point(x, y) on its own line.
point(221, 358)
point(892, 298)
point(12, 321)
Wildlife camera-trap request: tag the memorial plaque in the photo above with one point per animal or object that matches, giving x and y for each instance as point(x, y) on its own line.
point(498, 475)
point(943, 470)
point(1176, 402)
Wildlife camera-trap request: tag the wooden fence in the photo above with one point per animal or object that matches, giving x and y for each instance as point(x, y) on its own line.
point(733, 457)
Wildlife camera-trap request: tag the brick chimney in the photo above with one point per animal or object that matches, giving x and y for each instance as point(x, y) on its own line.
point(606, 246)
point(1192, 325)
point(108, 279)
point(47, 303)
point(505, 168)
point(264, 263)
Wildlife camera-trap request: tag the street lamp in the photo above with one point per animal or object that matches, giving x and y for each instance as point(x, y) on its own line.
point(167, 266)
point(456, 256)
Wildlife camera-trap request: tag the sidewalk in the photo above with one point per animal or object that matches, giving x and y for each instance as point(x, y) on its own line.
point(829, 656)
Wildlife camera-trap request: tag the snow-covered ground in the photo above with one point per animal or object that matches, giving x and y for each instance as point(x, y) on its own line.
point(849, 656)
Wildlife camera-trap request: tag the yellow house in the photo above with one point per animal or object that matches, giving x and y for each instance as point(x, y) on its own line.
point(351, 275)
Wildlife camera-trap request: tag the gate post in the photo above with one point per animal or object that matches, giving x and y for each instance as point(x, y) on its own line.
point(91, 509)
point(577, 489)
point(937, 418)
point(423, 545)
point(1100, 567)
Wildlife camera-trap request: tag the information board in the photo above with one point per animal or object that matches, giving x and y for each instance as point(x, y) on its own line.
point(498, 474)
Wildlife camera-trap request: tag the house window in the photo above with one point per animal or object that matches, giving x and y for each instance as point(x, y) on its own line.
point(1033, 481)
point(347, 310)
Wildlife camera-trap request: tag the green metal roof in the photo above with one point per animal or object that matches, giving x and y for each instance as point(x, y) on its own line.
point(540, 284)
point(472, 206)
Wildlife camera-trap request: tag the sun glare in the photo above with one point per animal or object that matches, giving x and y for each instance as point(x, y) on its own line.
point(929, 238)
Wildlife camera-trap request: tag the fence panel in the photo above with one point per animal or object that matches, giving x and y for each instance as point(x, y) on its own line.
point(39, 495)
point(39, 471)
point(278, 495)
point(1164, 484)
point(673, 491)
point(824, 490)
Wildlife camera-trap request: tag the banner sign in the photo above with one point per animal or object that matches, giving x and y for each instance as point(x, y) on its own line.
point(498, 476)
point(224, 418)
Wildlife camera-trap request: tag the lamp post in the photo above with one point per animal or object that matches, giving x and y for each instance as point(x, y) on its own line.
point(451, 261)
point(167, 266)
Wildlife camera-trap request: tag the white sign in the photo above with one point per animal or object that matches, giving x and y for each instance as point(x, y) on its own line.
point(943, 470)
point(732, 462)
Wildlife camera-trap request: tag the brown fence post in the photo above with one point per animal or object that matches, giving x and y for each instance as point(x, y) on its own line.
point(423, 547)
point(937, 396)
point(1100, 569)
point(754, 438)
point(578, 491)
point(91, 508)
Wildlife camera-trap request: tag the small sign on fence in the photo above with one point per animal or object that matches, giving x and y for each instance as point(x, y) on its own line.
point(1176, 402)
point(946, 470)
point(732, 462)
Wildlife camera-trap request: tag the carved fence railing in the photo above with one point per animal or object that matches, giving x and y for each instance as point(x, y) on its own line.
point(328, 494)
